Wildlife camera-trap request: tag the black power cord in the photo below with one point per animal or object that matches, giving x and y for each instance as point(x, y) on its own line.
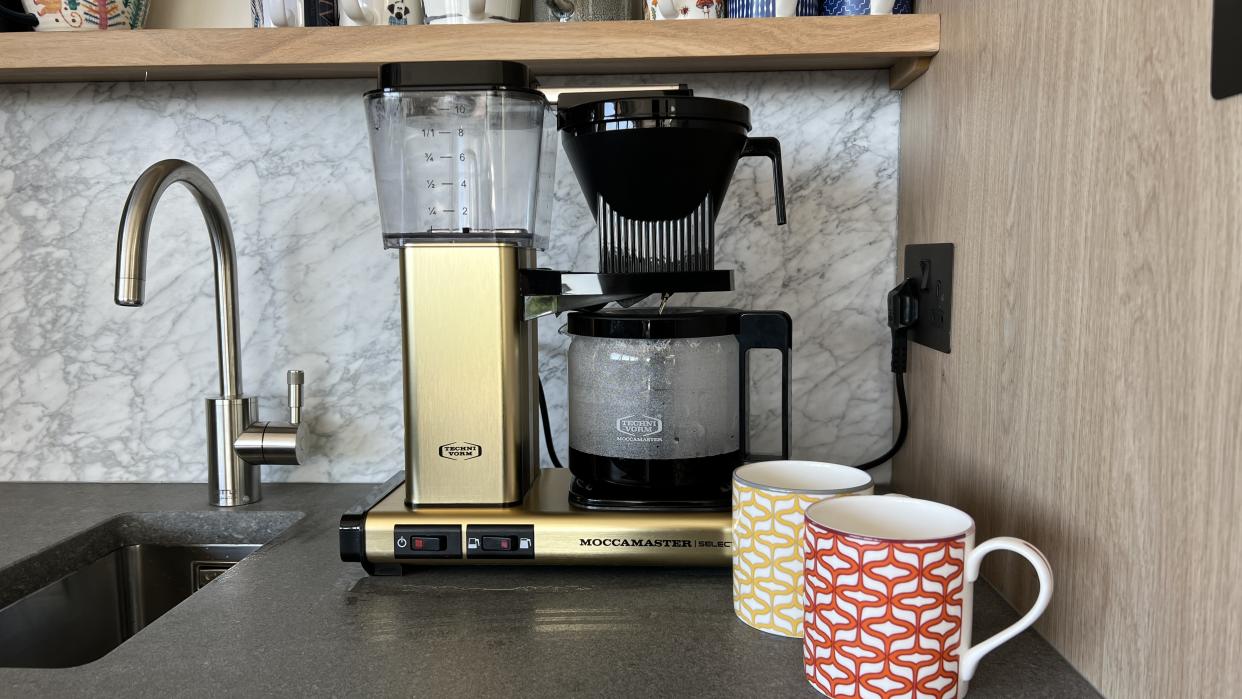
point(547, 427)
point(903, 312)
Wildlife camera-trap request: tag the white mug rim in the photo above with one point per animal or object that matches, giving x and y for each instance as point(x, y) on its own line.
point(740, 473)
point(814, 517)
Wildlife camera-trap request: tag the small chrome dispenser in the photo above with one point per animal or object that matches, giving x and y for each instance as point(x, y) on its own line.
point(237, 440)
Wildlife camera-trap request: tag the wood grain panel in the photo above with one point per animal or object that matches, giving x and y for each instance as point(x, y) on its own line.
point(1094, 189)
point(793, 43)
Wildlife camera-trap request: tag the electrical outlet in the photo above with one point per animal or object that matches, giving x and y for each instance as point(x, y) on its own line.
point(931, 268)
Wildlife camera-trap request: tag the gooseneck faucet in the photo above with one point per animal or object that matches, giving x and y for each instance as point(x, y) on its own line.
point(237, 441)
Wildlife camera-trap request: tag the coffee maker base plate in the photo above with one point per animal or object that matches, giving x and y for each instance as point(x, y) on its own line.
point(599, 497)
point(390, 537)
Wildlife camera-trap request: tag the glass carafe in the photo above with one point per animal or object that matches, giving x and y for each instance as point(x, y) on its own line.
point(461, 153)
point(657, 406)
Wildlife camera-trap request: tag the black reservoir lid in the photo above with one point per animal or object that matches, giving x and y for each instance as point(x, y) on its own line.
point(654, 109)
point(456, 75)
point(651, 324)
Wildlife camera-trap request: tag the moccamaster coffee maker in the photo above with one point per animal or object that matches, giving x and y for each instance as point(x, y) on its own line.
point(464, 159)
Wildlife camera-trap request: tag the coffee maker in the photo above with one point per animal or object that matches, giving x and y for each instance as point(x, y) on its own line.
point(464, 156)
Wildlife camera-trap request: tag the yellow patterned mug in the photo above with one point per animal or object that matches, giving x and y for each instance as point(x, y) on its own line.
point(769, 504)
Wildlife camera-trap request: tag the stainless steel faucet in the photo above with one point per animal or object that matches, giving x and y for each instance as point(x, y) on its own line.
point(237, 441)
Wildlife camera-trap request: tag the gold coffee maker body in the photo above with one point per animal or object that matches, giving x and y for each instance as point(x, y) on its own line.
point(469, 368)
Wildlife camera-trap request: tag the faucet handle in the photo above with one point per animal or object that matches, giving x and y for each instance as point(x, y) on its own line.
point(295, 378)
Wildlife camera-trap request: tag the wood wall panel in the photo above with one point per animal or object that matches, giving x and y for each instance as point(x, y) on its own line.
point(1091, 405)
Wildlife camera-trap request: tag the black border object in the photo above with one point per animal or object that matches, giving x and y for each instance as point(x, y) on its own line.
point(1227, 49)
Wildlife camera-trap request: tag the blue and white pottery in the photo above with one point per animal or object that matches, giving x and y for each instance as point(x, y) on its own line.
point(868, 7)
point(773, 8)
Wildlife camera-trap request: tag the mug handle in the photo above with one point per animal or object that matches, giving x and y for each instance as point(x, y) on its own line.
point(356, 10)
point(274, 11)
point(25, 19)
point(970, 660)
point(763, 330)
point(769, 147)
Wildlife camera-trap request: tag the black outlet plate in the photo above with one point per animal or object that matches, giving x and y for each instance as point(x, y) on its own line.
point(931, 268)
point(1227, 49)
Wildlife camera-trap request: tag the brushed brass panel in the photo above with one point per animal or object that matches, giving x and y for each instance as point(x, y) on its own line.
point(565, 534)
point(469, 369)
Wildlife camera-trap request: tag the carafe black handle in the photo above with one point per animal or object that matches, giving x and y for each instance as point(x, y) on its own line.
point(24, 19)
point(769, 147)
point(763, 330)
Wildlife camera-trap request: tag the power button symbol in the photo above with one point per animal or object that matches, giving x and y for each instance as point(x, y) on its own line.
point(401, 542)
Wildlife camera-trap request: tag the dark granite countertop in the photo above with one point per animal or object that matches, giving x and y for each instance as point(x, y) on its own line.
point(293, 620)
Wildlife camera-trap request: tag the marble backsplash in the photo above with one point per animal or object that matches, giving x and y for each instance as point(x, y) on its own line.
point(92, 391)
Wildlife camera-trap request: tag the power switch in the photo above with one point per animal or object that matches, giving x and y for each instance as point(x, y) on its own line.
point(426, 541)
point(497, 543)
point(500, 541)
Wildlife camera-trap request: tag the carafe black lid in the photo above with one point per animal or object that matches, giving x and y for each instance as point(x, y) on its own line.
point(653, 110)
point(456, 75)
point(651, 324)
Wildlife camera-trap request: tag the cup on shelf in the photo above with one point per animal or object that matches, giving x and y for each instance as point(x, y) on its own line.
point(888, 590)
point(196, 14)
point(300, 13)
point(471, 11)
point(83, 15)
point(685, 9)
point(584, 10)
point(380, 12)
point(769, 502)
point(773, 8)
point(868, 7)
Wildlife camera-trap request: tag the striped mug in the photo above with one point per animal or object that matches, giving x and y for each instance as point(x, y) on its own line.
point(769, 499)
point(773, 8)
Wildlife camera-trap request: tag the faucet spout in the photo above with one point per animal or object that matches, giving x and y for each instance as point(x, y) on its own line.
point(131, 255)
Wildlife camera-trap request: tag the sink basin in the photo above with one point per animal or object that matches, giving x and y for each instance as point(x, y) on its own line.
point(149, 564)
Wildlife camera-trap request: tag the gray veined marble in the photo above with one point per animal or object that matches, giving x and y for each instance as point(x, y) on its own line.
point(91, 391)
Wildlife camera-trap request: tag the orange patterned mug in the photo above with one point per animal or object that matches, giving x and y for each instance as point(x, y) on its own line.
point(888, 593)
point(769, 499)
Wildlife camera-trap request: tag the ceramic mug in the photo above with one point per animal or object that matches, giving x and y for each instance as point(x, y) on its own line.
point(80, 15)
point(196, 14)
point(773, 8)
point(769, 499)
point(300, 13)
point(868, 7)
point(380, 12)
point(888, 592)
point(685, 9)
point(471, 11)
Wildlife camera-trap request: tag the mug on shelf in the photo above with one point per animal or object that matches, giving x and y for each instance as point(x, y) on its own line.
point(868, 7)
point(196, 14)
point(583, 10)
point(685, 9)
point(888, 591)
point(769, 501)
point(471, 11)
point(773, 8)
point(380, 12)
point(78, 15)
point(300, 13)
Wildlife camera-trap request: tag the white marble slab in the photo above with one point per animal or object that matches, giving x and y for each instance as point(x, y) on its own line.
point(92, 391)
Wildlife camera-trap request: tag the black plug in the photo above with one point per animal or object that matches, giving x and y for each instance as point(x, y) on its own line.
point(903, 313)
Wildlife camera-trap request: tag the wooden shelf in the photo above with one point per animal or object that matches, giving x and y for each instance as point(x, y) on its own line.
point(903, 42)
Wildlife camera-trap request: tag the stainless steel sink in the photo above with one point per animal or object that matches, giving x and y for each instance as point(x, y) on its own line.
point(85, 614)
point(109, 583)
